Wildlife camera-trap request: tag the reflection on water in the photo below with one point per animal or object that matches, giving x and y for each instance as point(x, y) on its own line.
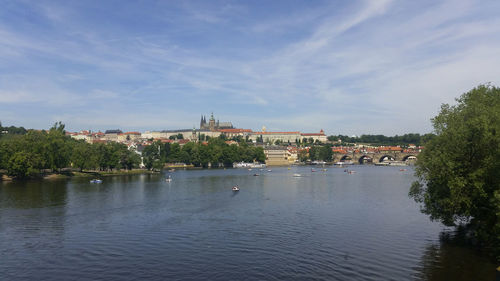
point(325, 225)
point(455, 259)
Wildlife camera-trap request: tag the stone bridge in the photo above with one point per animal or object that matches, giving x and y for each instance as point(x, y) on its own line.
point(378, 157)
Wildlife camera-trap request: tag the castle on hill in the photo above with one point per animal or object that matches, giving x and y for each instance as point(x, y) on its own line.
point(213, 125)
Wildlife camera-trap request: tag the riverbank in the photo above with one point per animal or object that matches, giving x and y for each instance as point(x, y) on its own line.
point(88, 174)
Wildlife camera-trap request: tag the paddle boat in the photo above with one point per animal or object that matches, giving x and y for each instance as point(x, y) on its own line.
point(96, 181)
point(169, 178)
point(236, 188)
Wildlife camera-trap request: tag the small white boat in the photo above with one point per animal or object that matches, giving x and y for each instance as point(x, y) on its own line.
point(236, 188)
point(269, 170)
point(168, 179)
point(297, 175)
point(96, 181)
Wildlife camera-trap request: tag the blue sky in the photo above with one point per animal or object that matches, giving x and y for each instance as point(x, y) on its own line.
point(348, 67)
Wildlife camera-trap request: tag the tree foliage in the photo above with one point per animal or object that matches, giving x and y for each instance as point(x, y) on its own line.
point(459, 169)
point(28, 155)
point(403, 140)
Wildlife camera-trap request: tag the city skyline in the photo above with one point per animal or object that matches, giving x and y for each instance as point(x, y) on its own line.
point(356, 67)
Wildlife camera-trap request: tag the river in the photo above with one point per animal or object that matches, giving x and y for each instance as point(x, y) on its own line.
point(324, 225)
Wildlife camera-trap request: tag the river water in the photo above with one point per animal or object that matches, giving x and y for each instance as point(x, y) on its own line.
point(325, 225)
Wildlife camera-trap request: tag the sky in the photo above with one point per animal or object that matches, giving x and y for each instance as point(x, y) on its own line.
point(347, 67)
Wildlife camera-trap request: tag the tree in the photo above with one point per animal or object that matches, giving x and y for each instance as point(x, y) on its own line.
point(23, 165)
point(57, 148)
point(303, 155)
point(151, 154)
point(458, 171)
point(325, 153)
point(82, 156)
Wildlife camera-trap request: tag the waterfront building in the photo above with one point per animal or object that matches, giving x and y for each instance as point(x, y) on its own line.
point(276, 156)
point(292, 154)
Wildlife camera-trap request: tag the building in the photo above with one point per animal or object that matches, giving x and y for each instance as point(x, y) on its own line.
point(230, 133)
point(272, 137)
point(321, 137)
point(129, 136)
point(276, 156)
point(112, 135)
point(213, 125)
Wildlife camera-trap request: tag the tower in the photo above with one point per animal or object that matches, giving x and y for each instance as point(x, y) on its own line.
point(203, 123)
point(211, 123)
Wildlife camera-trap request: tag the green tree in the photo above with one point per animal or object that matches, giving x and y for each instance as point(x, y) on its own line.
point(82, 156)
point(458, 171)
point(151, 155)
point(325, 153)
point(24, 164)
point(56, 148)
point(303, 155)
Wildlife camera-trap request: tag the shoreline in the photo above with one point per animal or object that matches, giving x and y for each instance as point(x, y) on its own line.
point(84, 174)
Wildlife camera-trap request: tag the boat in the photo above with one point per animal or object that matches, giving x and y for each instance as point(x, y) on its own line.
point(96, 181)
point(312, 170)
point(297, 175)
point(248, 165)
point(269, 170)
point(256, 175)
point(351, 172)
point(168, 179)
point(236, 188)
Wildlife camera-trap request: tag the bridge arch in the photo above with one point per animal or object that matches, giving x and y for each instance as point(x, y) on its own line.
point(386, 157)
point(345, 158)
point(365, 159)
point(410, 157)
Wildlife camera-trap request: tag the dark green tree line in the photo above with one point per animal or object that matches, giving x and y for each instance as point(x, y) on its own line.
point(403, 140)
point(215, 153)
point(32, 153)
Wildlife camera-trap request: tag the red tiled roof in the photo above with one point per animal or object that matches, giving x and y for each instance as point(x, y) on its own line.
point(390, 148)
point(321, 133)
point(235, 130)
point(277, 133)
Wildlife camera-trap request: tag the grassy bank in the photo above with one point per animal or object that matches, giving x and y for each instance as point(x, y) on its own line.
point(88, 174)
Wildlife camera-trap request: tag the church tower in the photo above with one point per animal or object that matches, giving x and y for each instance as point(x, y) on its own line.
point(211, 123)
point(203, 123)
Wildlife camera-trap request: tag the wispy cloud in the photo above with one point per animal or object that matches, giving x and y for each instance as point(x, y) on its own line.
point(354, 67)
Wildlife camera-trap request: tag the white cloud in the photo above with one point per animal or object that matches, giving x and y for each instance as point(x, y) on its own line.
point(369, 66)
